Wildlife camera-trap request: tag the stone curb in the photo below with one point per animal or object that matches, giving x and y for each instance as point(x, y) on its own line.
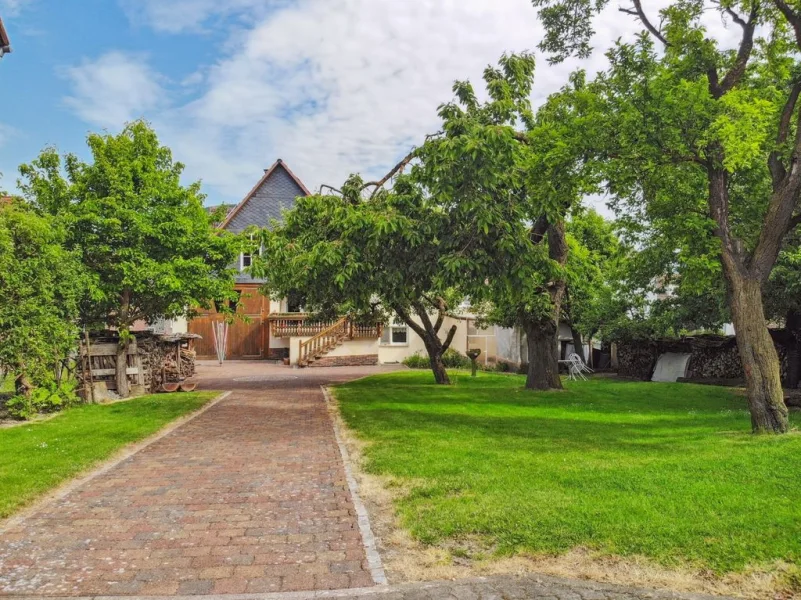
point(368, 539)
point(105, 466)
point(532, 586)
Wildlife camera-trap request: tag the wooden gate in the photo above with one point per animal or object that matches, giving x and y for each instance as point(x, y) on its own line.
point(248, 335)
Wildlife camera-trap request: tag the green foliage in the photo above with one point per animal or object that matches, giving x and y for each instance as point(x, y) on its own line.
point(145, 239)
point(508, 177)
point(416, 361)
point(596, 264)
point(49, 397)
point(452, 359)
point(41, 285)
point(38, 457)
point(665, 471)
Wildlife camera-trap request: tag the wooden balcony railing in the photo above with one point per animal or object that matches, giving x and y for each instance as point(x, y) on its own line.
point(295, 325)
point(299, 325)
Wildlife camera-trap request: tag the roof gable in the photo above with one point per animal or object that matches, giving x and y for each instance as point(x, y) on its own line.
point(276, 191)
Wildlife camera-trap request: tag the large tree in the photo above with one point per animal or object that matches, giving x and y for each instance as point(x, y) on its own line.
point(41, 284)
point(508, 177)
point(710, 136)
point(368, 252)
point(144, 238)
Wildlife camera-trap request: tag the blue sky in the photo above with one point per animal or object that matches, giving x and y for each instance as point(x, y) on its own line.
point(331, 86)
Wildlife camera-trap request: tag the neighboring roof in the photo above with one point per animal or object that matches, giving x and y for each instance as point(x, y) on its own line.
point(5, 43)
point(267, 174)
point(212, 209)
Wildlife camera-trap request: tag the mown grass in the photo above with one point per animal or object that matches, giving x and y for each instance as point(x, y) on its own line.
point(667, 471)
point(35, 458)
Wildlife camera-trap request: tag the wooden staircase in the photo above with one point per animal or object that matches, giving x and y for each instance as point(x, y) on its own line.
point(324, 342)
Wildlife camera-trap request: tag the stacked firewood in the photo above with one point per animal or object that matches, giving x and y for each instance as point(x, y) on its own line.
point(188, 362)
point(721, 362)
point(636, 359)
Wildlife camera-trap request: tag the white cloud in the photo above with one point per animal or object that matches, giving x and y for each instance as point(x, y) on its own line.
point(113, 89)
point(330, 86)
point(12, 8)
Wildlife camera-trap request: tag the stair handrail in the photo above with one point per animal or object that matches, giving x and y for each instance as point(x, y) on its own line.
point(321, 341)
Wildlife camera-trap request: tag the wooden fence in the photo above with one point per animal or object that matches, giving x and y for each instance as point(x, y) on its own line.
point(103, 364)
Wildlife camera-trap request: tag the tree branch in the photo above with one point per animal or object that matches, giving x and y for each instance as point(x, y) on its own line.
point(538, 230)
point(442, 307)
point(423, 314)
point(737, 71)
point(640, 14)
point(394, 171)
point(792, 17)
point(333, 189)
point(406, 318)
point(449, 338)
point(777, 169)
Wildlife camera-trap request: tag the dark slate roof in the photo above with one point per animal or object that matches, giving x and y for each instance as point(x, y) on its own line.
point(275, 192)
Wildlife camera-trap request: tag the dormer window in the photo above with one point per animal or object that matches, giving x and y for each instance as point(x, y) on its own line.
point(245, 260)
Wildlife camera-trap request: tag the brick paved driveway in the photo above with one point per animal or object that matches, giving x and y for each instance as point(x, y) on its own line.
point(250, 496)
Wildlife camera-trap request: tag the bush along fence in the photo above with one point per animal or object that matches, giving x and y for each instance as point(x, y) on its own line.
point(714, 359)
point(154, 362)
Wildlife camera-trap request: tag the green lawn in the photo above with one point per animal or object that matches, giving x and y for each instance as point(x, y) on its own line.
point(35, 458)
point(668, 471)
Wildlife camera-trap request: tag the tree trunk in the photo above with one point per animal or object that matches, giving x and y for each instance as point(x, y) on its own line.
point(578, 347)
point(793, 325)
point(758, 355)
point(438, 367)
point(429, 333)
point(23, 389)
point(543, 362)
point(121, 374)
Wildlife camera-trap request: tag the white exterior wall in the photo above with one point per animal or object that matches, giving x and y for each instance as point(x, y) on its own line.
point(395, 353)
point(179, 325)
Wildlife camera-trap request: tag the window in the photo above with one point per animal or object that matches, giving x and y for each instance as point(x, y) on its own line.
point(395, 334)
point(246, 258)
point(295, 301)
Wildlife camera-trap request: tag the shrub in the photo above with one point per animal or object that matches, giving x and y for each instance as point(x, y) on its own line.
point(451, 359)
point(416, 361)
point(43, 399)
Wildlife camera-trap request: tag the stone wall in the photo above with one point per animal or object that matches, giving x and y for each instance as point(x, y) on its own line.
point(346, 361)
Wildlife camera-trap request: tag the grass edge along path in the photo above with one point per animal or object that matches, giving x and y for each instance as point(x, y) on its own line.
point(668, 472)
point(37, 458)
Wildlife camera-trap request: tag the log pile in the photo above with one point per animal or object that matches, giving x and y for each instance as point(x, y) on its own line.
point(712, 357)
point(159, 355)
point(637, 359)
point(719, 362)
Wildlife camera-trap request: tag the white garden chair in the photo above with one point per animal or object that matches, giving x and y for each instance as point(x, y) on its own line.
point(576, 367)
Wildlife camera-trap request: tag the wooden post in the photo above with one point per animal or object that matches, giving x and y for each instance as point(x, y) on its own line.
point(89, 369)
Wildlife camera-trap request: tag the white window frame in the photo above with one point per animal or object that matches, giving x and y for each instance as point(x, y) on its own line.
point(393, 325)
point(242, 256)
